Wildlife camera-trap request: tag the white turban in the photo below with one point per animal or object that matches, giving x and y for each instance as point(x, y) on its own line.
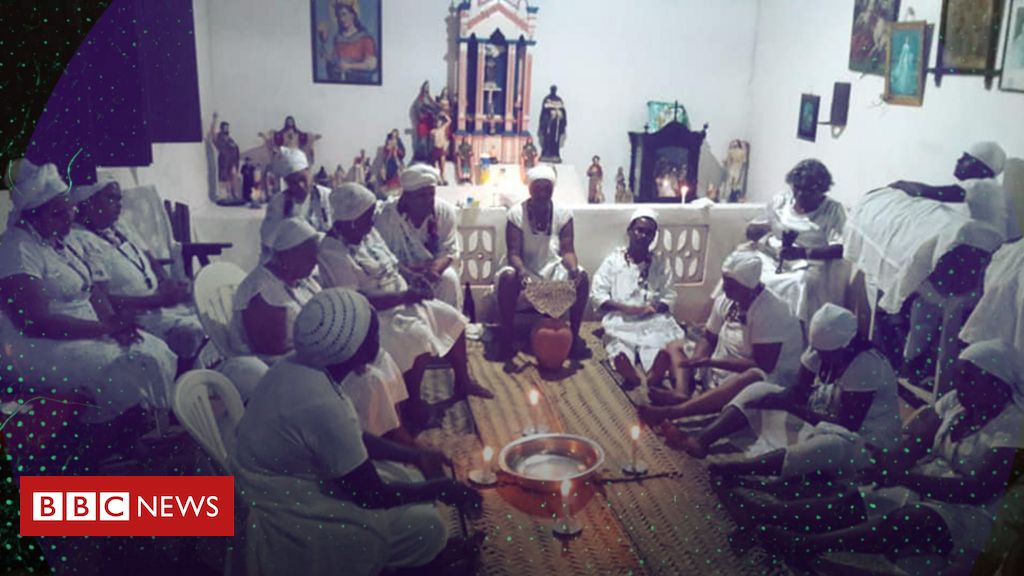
point(643, 213)
point(974, 233)
point(990, 154)
point(541, 172)
point(350, 200)
point(82, 193)
point(832, 327)
point(289, 161)
point(290, 233)
point(331, 327)
point(998, 359)
point(744, 267)
point(419, 176)
point(34, 185)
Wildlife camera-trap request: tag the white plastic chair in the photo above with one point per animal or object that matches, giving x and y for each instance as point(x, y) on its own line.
point(213, 292)
point(192, 406)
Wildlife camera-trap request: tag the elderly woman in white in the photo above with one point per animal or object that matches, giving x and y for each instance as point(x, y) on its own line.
point(300, 199)
point(750, 336)
point(420, 229)
point(414, 325)
point(326, 495)
point(633, 291)
point(135, 284)
point(58, 325)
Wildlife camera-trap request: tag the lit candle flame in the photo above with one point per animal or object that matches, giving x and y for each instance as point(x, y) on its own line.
point(635, 432)
point(534, 397)
point(566, 488)
point(488, 454)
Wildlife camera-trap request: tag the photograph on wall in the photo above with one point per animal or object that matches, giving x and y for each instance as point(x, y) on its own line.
point(1013, 51)
point(904, 69)
point(807, 127)
point(871, 22)
point(346, 41)
point(968, 36)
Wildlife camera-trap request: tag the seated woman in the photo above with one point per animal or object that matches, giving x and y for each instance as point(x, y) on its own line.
point(137, 284)
point(803, 250)
point(750, 336)
point(420, 230)
point(845, 400)
point(58, 327)
point(300, 199)
point(326, 496)
point(633, 290)
point(414, 325)
point(939, 490)
point(539, 239)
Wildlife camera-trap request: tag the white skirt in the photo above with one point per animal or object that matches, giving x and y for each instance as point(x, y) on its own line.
point(410, 331)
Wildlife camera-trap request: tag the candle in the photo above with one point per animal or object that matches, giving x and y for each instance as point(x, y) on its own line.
point(533, 422)
point(634, 433)
point(485, 476)
point(635, 467)
point(566, 525)
point(534, 397)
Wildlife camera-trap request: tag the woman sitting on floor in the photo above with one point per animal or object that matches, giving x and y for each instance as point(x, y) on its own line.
point(414, 325)
point(633, 290)
point(327, 497)
point(939, 490)
point(58, 328)
point(845, 400)
point(750, 336)
point(137, 284)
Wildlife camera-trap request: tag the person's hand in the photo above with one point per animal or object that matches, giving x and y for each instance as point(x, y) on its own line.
point(455, 493)
point(432, 462)
point(416, 294)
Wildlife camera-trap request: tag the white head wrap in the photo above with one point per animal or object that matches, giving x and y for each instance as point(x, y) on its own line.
point(289, 161)
point(973, 233)
point(744, 267)
point(986, 201)
point(832, 327)
point(350, 200)
point(34, 185)
point(541, 172)
point(419, 176)
point(82, 193)
point(998, 359)
point(331, 327)
point(990, 154)
point(643, 213)
point(290, 233)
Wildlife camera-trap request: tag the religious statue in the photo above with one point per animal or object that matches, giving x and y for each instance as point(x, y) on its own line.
point(290, 136)
point(339, 176)
point(464, 163)
point(528, 157)
point(595, 182)
point(322, 178)
point(390, 163)
point(439, 142)
point(271, 183)
point(360, 168)
point(228, 155)
point(553, 122)
point(622, 193)
point(734, 188)
point(424, 111)
point(248, 181)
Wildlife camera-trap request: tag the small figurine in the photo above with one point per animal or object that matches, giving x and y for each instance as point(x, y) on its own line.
point(737, 159)
point(439, 141)
point(339, 176)
point(391, 162)
point(248, 180)
point(622, 193)
point(360, 168)
point(227, 160)
point(322, 178)
point(595, 180)
point(425, 109)
point(528, 157)
point(464, 163)
point(291, 137)
point(553, 121)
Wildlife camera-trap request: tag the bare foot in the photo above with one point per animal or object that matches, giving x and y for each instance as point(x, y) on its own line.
point(471, 388)
point(679, 440)
point(652, 414)
point(661, 397)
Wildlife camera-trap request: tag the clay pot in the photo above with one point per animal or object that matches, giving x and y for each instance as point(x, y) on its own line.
point(550, 341)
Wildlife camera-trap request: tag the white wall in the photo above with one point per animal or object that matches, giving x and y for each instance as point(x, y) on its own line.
point(608, 59)
point(803, 46)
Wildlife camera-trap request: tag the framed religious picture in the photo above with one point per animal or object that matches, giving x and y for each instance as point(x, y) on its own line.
point(905, 64)
point(807, 125)
point(346, 41)
point(870, 36)
point(1012, 78)
point(968, 36)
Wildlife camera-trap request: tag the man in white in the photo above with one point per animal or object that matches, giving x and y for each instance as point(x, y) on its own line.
point(633, 291)
point(300, 199)
point(421, 230)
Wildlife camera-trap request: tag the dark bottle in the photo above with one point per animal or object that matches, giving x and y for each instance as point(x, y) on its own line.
point(468, 306)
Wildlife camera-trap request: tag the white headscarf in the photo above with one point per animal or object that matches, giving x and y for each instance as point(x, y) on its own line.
point(990, 154)
point(643, 213)
point(974, 233)
point(419, 176)
point(290, 233)
point(832, 327)
point(1000, 360)
point(744, 267)
point(34, 185)
point(350, 200)
point(82, 193)
point(331, 327)
point(541, 172)
point(289, 161)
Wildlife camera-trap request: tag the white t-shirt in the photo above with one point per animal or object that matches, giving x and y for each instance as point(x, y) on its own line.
point(868, 372)
point(768, 321)
point(298, 424)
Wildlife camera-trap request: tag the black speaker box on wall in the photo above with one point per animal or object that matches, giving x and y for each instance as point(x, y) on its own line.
point(840, 104)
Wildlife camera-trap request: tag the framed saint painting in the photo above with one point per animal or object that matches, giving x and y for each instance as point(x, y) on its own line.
point(869, 39)
point(905, 64)
point(807, 126)
point(346, 41)
point(1012, 78)
point(968, 36)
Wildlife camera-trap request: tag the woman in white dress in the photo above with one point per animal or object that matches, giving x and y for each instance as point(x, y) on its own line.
point(135, 284)
point(300, 199)
point(414, 326)
point(633, 290)
point(324, 496)
point(58, 327)
point(803, 228)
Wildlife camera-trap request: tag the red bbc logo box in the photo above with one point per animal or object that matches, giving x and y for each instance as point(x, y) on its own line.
point(127, 506)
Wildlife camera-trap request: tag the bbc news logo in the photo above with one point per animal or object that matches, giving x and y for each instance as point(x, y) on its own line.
point(127, 506)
